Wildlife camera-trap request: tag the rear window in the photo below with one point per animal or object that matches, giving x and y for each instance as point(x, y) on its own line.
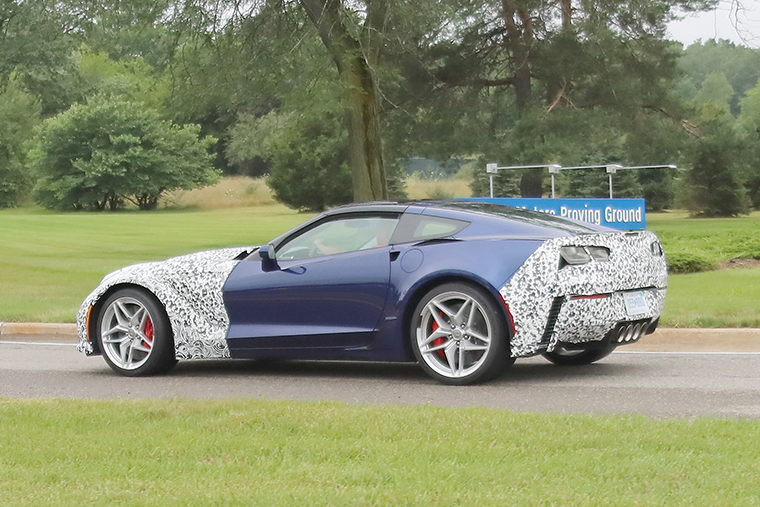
point(522, 215)
point(412, 228)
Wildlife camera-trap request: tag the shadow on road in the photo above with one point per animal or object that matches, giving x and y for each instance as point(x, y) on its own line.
point(525, 371)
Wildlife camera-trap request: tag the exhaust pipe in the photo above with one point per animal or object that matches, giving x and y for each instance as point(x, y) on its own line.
point(630, 332)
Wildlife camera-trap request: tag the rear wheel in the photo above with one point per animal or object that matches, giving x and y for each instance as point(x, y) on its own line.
point(459, 335)
point(571, 357)
point(134, 334)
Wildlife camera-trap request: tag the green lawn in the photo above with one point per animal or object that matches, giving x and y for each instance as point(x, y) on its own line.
point(726, 298)
point(711, 240)
point(50, 261)
point(272, 453)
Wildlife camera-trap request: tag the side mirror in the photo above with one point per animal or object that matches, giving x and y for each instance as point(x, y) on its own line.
point(267, 254)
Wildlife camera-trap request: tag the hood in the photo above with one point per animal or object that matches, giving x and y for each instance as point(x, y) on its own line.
point(203, 262)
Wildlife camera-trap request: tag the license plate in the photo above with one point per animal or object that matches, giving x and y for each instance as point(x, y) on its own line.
point(635, 304)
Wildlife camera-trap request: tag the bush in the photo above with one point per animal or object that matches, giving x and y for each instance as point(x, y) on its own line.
point(686, 262)
point(308, 153)
point(97, 156)
point(309, 167)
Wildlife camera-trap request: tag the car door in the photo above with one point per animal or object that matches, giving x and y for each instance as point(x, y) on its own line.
point(326, 289)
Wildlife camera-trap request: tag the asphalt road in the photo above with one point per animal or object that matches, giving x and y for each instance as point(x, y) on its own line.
point(656, 384)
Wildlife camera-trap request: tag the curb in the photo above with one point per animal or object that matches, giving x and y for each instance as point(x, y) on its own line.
point(665, 339)
point(671, 339)
point(38, 332)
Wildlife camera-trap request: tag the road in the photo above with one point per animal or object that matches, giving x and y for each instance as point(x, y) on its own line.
point(656, 384)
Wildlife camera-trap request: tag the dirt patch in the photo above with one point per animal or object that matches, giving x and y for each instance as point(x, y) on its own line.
point(739, 264)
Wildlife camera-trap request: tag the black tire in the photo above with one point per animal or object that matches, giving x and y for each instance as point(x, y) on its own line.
point(134, 334)
point(459, 335)
point(579, 357)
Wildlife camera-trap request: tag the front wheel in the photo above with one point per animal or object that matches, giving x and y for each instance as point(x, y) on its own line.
point(459, 335)
point(569, 357)
point(134, 334)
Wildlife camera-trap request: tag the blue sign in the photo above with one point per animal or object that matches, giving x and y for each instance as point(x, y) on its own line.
point(625, 214)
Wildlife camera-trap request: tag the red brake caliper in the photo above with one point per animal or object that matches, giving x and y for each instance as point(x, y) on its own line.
point(438, 341)
point(148, 332)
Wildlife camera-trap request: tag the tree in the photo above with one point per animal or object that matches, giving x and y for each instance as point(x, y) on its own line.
point(714, 178)
point(271, 35)
point(353, 56)
point(128, 30)
point(431, 78)
point(129, 78)
point(36, 41)
point(307, 150)
point(309, 169)
point(19, 113)
point(749, 128)
point(590, 61)
point(715, 90)
point(96, 156)
point(715, 189)
point(740, 65)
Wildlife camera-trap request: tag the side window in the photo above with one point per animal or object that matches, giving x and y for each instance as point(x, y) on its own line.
point(339, 236)
point(414, 228)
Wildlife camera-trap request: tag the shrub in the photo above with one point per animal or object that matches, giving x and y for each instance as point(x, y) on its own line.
point(437, 193)
point(308, 154)
point(97, 156)
point(686, 262)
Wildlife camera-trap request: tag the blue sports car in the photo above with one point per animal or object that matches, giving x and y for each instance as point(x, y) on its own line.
point(462, 288)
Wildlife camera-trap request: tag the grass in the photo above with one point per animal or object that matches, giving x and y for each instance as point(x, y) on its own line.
point(252, 452)
point(230, 192)
point(240, 191)
point(726, 298)
point(419, 188)
point(706, 242)
point(50, 262)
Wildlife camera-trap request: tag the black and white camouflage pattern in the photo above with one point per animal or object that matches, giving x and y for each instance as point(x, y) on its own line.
point(531, 291)
point(190, 288)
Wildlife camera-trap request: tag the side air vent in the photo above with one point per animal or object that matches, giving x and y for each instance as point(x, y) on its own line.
point(551, 322)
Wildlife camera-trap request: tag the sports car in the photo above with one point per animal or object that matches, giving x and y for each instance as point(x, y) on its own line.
point(462, 288)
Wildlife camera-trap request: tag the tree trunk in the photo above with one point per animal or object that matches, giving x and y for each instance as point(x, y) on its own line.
point(365, 143)
point(519, 39)
point(532, 183)
point(556, 84)
point(567, 14)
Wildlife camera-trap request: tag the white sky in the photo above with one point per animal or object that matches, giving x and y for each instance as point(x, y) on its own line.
point(735, 20)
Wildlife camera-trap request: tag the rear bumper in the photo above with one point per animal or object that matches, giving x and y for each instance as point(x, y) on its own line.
point(585, 319)
point(582, 304)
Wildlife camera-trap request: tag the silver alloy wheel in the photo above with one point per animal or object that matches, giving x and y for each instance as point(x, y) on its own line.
point(127, 333)
point(454, 335)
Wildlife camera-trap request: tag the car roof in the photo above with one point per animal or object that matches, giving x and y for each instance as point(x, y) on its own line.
point(464, 209)
point(368, 207)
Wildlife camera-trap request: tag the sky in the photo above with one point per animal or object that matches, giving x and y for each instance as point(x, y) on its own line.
point(735, 20)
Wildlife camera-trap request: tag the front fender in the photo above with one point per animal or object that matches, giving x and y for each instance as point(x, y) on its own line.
point(189, 288)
